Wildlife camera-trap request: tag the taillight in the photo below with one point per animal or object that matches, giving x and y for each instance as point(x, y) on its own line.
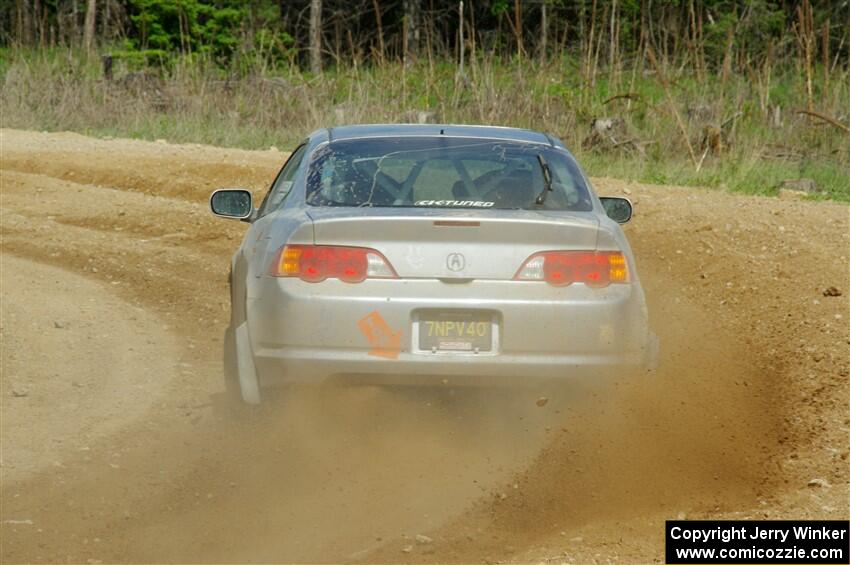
point(560, 268)
point(315, 263)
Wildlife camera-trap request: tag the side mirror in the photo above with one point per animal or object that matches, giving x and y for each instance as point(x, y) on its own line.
point(618, 209)
point(232, 203)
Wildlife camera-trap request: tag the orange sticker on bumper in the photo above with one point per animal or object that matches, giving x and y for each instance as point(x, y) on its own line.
point(384, 341)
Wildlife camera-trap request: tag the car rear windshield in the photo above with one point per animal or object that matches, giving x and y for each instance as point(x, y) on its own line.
point(443, 172)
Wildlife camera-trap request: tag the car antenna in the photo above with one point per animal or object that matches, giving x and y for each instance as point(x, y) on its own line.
point(442, 131)
point(547, 181)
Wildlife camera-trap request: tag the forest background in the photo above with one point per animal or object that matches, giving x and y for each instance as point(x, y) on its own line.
point(748, 96)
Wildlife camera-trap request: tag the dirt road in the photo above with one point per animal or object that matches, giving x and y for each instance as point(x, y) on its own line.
point(117, 444)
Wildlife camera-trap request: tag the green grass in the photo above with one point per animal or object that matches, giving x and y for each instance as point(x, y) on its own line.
point(751, 176)
point(191, 100)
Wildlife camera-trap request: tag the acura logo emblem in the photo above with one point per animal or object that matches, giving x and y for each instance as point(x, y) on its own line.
point(455, 262)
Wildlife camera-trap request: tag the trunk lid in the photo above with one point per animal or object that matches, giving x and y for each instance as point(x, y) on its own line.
point(454, 244)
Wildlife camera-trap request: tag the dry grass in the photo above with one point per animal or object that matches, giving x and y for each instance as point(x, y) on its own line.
point(739, 138)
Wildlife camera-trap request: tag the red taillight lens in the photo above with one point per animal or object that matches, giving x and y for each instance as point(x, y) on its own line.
point(560, 268)
point(315, 263)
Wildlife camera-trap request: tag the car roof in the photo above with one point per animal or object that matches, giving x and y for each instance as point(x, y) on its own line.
point(447, 130)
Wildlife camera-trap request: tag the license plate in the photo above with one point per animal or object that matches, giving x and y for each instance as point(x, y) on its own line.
point(456, 331)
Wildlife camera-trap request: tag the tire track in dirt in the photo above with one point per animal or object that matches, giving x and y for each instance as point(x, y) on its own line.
point(302, 482)
point(38, 321)
point(189, 172)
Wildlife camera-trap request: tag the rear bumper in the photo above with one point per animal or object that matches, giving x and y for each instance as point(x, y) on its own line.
point(302, 332)
point(312, 366)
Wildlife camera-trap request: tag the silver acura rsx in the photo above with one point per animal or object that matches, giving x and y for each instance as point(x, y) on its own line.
point(429, 254)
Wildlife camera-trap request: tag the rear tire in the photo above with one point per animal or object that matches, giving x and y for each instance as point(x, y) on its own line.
point(249, 384)
point(240, 376)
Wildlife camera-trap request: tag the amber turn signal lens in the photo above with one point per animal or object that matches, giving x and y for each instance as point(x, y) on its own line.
point(290, 260)
point(617, 270)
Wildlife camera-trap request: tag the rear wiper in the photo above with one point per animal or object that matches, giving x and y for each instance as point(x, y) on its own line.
point(547, 181)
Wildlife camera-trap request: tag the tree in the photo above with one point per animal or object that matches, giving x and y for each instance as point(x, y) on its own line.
point(88, 26)
point(411, 30)
point(316, 36)
point(544, 30)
